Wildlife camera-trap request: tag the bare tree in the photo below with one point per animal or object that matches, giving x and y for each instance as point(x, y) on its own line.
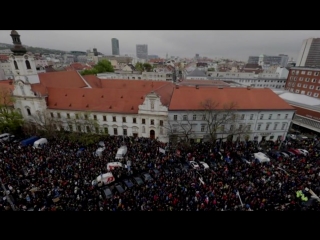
point(44, 123)
point(84, 122)
point(218, 117)
point(180, 128)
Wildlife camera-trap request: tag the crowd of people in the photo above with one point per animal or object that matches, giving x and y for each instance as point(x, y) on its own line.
point(59, 178)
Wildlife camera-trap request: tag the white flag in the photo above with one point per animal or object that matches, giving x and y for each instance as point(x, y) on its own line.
point(162, 150)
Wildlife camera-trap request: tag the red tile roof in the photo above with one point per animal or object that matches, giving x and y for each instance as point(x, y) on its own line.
point(93, 81)
point(63, 79)
point(120, 96)
point(39, 88)
point(77, 66)
point(253, 99)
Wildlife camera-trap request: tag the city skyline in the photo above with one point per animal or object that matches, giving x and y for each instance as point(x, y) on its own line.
point(234, 44)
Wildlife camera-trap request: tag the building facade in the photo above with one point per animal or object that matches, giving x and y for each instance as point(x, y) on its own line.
point(281, 60)
point(303, 80)
point(309, 55)
point(142, 51)
point(115, 46)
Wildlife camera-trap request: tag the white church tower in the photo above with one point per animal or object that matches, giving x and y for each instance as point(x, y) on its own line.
point(23, 67)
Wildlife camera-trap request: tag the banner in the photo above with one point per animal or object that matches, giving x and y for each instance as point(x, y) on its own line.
point(162, 150)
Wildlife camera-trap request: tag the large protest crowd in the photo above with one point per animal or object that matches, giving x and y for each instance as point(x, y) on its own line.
point(59, 178)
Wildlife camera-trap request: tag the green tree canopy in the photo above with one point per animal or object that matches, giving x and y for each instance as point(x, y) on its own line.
point(101, 67)
point(10, 119)
point(143, 67)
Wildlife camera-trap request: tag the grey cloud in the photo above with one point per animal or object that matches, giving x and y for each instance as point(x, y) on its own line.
point(211, 43)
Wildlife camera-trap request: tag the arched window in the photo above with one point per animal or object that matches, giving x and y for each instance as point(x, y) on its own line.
point(15, 65)
point(28, 64)
point(28, 111)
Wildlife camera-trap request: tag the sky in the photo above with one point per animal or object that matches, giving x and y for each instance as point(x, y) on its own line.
point(234, 44)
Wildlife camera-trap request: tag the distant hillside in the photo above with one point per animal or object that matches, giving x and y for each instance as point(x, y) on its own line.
point(33, 49)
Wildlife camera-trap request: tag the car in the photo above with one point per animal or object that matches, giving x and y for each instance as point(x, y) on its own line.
point(147, 177)
point(204, 165)
point(107, 192)
point(194, 165)
point(155, 172)
point(128, 183)
point(304, 152)
point(138, 181)
point(119, 188)
point(292, 136)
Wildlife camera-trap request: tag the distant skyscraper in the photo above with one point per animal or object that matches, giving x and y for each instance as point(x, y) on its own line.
point(95, 52)
point(142, 51)
point(115, 46)
point(309, 54)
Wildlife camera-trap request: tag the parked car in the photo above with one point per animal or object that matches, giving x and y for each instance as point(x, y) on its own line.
point(204, 165)
point(194, 165)
point(147, 177)
point(291, 136)
point(138, 181)
point(107, 192)
point(128, 183)
point(304, 152)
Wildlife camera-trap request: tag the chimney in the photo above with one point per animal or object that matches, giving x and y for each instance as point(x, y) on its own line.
point(248, 87)
point(197, 86)
point(177, 86)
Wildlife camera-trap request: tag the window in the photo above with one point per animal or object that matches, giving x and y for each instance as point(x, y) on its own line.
point(203, 117)
point(185, 117)
point(242, 116)
point(301, 78)
point(134, 120)
point(79, 128)
point(295, 78)
point(297, 91)
point(175, 117)
point(28, 64)
point(297, 72)
point(309, 93)
point(293, 72)
point(15, 65)
point(283, 126)
point(143, 129)
point(125, 133)
point(202, 128)
point(293, 84)
point(114, 119)
point(309, 73)
point(318, 88)
point(194, 117)
point(59, 115)
point(115, 131)
point(286, 116)
point(86, 116)
point(222, 128)
point(316, 73)
point(299, 84)
point(70, 128)
point(106, 130)
point(143, 121)
point(259, 127)
point(52, 115)
point(313, 80)
point(303, 72)
point(95, 117)
point(305, 85)
point(77, 116)
point(271, 137)
point(161, 123)
point(267, 126)
point(88, 129)
point(104, 118)
point(270, 116)
point(152, 104)
point(123, 119)
point(68, 115)
point(28, 111)
point(261, 116)
point(251, 116)
point(248, 127)
point(152, 122)
point(316, 94)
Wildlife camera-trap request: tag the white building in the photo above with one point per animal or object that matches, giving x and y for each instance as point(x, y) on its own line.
point(265, 120)
point(152, 76)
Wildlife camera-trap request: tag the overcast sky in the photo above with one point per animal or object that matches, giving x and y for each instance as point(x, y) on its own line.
point(211, 43)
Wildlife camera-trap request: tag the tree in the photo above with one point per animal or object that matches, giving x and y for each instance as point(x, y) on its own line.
point(218, 118)
point(179, 129)
point(45, 124)
point(147, 67)
point(10, 119)
point(139, 66)
point(101, 67)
